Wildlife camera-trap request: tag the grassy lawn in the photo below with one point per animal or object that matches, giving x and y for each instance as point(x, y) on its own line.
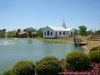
point(68, 39)
point(90, 44)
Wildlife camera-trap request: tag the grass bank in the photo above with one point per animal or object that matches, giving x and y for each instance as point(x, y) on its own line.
point(67, 40)
point(90, 44)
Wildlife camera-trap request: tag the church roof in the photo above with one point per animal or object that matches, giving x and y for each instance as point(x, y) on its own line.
point(59, 28)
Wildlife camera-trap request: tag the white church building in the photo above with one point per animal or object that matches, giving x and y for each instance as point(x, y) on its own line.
point(57, 32)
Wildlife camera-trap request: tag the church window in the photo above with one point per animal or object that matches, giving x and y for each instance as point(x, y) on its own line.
point(63, 33)
point(48, 33)
point(59, 33)
point(44, 33)
point(51, 33)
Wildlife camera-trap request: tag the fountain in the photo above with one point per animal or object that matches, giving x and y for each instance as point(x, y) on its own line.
point(5, 42)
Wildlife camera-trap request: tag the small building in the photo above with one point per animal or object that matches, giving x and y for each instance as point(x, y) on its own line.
point(57, 32)
point(22, 33)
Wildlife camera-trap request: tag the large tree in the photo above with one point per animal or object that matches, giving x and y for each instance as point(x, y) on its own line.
point(40, 32)
point(82, 30)
point(29, 31)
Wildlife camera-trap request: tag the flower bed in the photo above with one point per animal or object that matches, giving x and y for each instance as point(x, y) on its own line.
point(94, 71)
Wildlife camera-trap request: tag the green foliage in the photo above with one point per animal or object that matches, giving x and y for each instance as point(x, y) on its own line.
point(12, 33)
point(8, 72)
point(95, 48)
point(82, 30)
point(40, 32)
point(24, 68)
point(2, 33)
point(95, 56)
point(75, 31)
point(29, 31)
point(48, 66)
point(77, 60)
point(98, 31)
point(89, 32)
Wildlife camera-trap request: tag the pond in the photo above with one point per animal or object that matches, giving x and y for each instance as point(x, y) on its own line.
point(12, 51)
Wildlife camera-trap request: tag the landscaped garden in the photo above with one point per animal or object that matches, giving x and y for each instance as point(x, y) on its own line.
point(75, 63)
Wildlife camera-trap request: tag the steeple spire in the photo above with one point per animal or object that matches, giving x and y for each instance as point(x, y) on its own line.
point(64, 24)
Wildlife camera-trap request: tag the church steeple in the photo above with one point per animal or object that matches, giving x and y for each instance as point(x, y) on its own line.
point(64, 24)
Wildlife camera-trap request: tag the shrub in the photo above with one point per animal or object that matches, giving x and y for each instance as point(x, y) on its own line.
point(95, 48)
point(95, 56)
point(8, 72)
point(77, 60)
point(24, 68)
point(48, 66)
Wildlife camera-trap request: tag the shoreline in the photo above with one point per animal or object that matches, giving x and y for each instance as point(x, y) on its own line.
point(65, 40)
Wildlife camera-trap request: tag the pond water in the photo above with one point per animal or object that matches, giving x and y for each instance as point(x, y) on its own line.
point(12, 51)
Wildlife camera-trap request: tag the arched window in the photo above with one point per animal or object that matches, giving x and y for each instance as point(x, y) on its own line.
point(63, 33)
point(59, 33)
point(47, 33)
point(51, 33)
point(44, 33)
point(71, 33)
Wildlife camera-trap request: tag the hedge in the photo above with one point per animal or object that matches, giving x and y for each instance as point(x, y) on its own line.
point(24, 68)
point(95, 48)
point(48, 66)
point(77, 61)
point(95, 56)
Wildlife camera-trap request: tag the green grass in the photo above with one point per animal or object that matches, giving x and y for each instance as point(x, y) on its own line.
point(67, 39)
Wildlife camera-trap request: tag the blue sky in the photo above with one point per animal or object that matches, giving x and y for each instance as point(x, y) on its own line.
point(16, 14)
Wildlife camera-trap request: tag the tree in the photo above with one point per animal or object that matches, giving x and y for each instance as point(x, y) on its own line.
point(2, 32)
point(82, 30)
point(98, 31)
point(89, 32)
point(75, 31)
point(12, 33)
point(29, 31)
point(40, 32)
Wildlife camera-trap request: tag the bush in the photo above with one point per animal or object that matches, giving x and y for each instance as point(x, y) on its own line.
point(95, 56)
point(77, 61)
point(48, 66)
point(8, 72)
point(95, 48)
point(24, 68)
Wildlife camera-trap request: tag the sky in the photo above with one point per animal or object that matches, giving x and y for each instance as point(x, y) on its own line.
point(21, 14)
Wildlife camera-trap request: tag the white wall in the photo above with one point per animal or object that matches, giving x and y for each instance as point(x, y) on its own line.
point(54, 35)
point(48, 36)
